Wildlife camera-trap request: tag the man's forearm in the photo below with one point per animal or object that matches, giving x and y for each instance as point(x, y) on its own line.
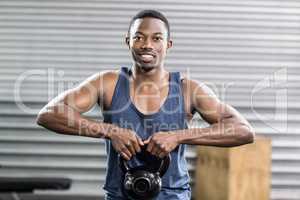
point(65, 120)
point(220, 134)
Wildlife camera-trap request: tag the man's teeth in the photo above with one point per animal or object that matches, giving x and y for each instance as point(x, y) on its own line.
point(147, 56)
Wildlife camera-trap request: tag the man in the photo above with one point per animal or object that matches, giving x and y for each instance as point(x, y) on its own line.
point(147, 105)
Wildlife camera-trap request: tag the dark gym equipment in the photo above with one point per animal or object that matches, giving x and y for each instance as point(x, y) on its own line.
point(24, 184)
point(15, 185)
point(144, 182)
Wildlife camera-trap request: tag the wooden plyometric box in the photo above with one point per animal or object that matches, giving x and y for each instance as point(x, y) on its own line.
point(237, 173)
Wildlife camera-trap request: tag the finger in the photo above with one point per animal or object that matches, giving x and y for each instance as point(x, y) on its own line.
point(125, 151)
point(140, 141)
point(136, 145)
point(162, 154)
point(125, 156)
point(147, 141)
point(130, 147)
point(150, 146)
point(156, 149)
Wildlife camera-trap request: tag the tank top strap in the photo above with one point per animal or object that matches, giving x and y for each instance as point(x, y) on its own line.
point(176, 101)
point(119, 99)
point(124, 80)
point(175, 82)
point(124, 75)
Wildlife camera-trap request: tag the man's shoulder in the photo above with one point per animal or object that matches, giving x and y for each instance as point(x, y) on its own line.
point(189, 82)
point(109, 78)
point(109, 74)
point(193, 86)
point(106, 84)
point(105, 77)
point(103, 80)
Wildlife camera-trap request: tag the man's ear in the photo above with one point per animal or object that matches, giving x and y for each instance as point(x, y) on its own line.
point(170, 44)
point(127, 41)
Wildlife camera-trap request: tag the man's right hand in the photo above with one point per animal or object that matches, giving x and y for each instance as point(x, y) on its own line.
point(125, 141)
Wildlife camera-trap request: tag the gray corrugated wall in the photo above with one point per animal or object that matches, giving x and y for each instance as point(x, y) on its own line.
point(247, 51)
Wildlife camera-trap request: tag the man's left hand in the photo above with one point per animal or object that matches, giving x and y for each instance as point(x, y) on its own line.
point(161, 143)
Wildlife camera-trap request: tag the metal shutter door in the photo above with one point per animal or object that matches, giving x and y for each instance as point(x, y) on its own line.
point(247, 51)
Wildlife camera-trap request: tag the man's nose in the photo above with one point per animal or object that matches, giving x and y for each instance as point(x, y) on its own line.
point(147, 44)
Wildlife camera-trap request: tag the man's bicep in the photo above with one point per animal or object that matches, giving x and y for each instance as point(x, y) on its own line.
point(211, 108)
point(207, 104)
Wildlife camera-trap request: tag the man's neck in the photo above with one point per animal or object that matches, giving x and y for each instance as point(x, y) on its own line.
point(155, 75)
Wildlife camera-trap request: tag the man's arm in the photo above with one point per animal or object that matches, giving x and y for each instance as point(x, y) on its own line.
point(227, 128)
point(63, 114)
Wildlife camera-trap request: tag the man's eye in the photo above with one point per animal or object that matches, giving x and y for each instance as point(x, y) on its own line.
point(157, 38)
point(137, 38)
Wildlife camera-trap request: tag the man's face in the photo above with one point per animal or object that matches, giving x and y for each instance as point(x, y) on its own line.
point(148, 42)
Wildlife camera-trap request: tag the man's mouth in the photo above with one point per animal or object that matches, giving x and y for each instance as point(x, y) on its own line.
point(146, 57)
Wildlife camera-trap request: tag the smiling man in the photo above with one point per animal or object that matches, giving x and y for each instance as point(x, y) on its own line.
point(147, 105)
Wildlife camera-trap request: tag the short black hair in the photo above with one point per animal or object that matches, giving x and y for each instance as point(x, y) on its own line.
point(150, 13)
